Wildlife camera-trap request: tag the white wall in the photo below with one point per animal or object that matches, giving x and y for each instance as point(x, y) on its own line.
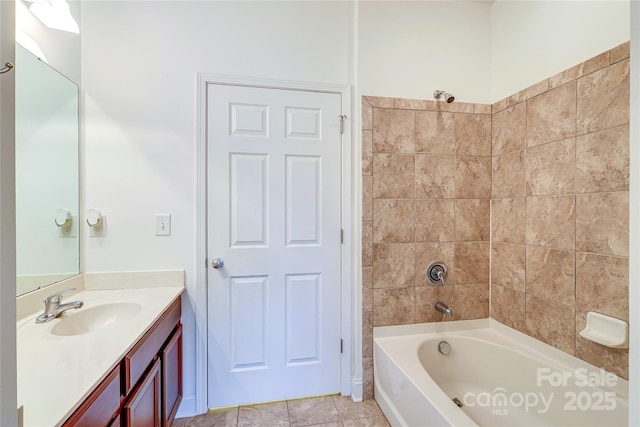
point(140, 61)
point(408, 49)
point(479, 51)
point(139, 66)
point(533, 40)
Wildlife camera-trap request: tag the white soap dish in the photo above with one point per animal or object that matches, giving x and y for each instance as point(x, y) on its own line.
point(606, 330)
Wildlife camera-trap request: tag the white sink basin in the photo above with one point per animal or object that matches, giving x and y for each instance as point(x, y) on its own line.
point(93, 319)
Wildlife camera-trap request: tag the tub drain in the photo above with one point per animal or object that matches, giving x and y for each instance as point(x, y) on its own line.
point(457, 402)
point(444, 347)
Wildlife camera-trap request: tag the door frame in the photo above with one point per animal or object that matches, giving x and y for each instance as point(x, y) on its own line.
point(348, 314)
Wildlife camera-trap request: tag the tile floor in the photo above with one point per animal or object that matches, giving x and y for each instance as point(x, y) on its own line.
point(325, 411)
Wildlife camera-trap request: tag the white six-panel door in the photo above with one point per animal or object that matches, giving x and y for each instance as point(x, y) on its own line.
point(274, 192)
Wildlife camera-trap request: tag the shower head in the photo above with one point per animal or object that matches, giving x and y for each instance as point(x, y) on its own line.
point(447, 96)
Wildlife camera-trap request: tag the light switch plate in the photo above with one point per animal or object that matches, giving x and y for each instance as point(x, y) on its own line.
point(163, 224)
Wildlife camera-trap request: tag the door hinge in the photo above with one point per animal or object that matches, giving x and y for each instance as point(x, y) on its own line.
point(342, 117)
point(341, 346)
point(341, 236)
point(206, 262)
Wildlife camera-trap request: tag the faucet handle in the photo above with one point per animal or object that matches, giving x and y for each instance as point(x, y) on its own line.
point(57, 297)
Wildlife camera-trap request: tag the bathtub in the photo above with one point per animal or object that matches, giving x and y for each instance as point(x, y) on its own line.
point(499, 376)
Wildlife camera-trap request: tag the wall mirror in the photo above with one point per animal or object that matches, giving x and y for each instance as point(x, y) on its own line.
point(47, 171)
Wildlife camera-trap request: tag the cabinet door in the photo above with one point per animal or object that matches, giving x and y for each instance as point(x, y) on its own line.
point(143, 407)
point(171, 357)
point(100, 407)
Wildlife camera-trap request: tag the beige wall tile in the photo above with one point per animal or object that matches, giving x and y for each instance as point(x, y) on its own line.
point(470, 301)
point(550, 168)
point(533, 90)
point(393, 265)
point(582, 69)
point(393, 176)
point(454, 107)
point(551, 323)
point(602, 285)
point(380, 101)
point(473, 177)
point(552, 115)
point(482, 109)
point(393, 306)
point(508, 220)
point(614, 360)
point(508, 306)
point(551, 274)
point(472, 219)
point(498, 106)
point(619, 52)
point(426, 253)
point(603, 99)
point(602, 161)
point(508, 175)
point(471, 262)
point(508, 265)
point(367, 288)
point(473, 134)
point(435, 132)
point(367, 114)
point(410, 104)
point(550, 221)
point(452, 196)
point(367, 243)
point(466, 301)
point(367, 377)
point(393, 220)
point(426, 298)
point(367, 198)
point(602, 223)
point(367, 152)
point(367, 334)
point(435, 176)
point(509, 129)
point(435, 220)
point(393, 131)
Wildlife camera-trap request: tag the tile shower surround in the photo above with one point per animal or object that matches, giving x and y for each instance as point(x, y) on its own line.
point(525, 200)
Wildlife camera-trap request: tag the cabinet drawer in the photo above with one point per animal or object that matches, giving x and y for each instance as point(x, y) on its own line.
point(101, 405)
point(135, 363)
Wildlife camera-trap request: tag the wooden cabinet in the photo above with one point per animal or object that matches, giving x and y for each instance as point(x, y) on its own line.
point(101, 405)
point(145, 388)
point(143, 406)
point(171, 358)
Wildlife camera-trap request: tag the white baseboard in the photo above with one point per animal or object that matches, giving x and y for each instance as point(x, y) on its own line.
point(187, 407)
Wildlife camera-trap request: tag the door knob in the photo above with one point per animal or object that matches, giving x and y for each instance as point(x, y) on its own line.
point(217, 263)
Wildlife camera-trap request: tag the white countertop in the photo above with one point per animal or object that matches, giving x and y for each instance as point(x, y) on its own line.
point(56, 373)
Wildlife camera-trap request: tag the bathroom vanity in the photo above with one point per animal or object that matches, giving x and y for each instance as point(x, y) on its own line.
point(145, 386)
point(116, 361)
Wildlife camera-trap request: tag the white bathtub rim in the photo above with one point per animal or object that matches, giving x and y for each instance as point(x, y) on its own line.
point(531, 347)
point(406, 359)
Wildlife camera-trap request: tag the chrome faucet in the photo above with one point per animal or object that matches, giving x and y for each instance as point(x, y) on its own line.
point(444, 308)
point(53, 308)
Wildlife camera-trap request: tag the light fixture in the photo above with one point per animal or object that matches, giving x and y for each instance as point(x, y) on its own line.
point(55, 14)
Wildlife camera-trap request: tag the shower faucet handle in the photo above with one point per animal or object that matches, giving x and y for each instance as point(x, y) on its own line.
point(436, 273)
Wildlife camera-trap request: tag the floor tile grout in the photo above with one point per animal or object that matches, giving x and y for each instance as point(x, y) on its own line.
point(315, 414)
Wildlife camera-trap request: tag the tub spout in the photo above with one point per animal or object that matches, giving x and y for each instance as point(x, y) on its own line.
point(444, 308)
